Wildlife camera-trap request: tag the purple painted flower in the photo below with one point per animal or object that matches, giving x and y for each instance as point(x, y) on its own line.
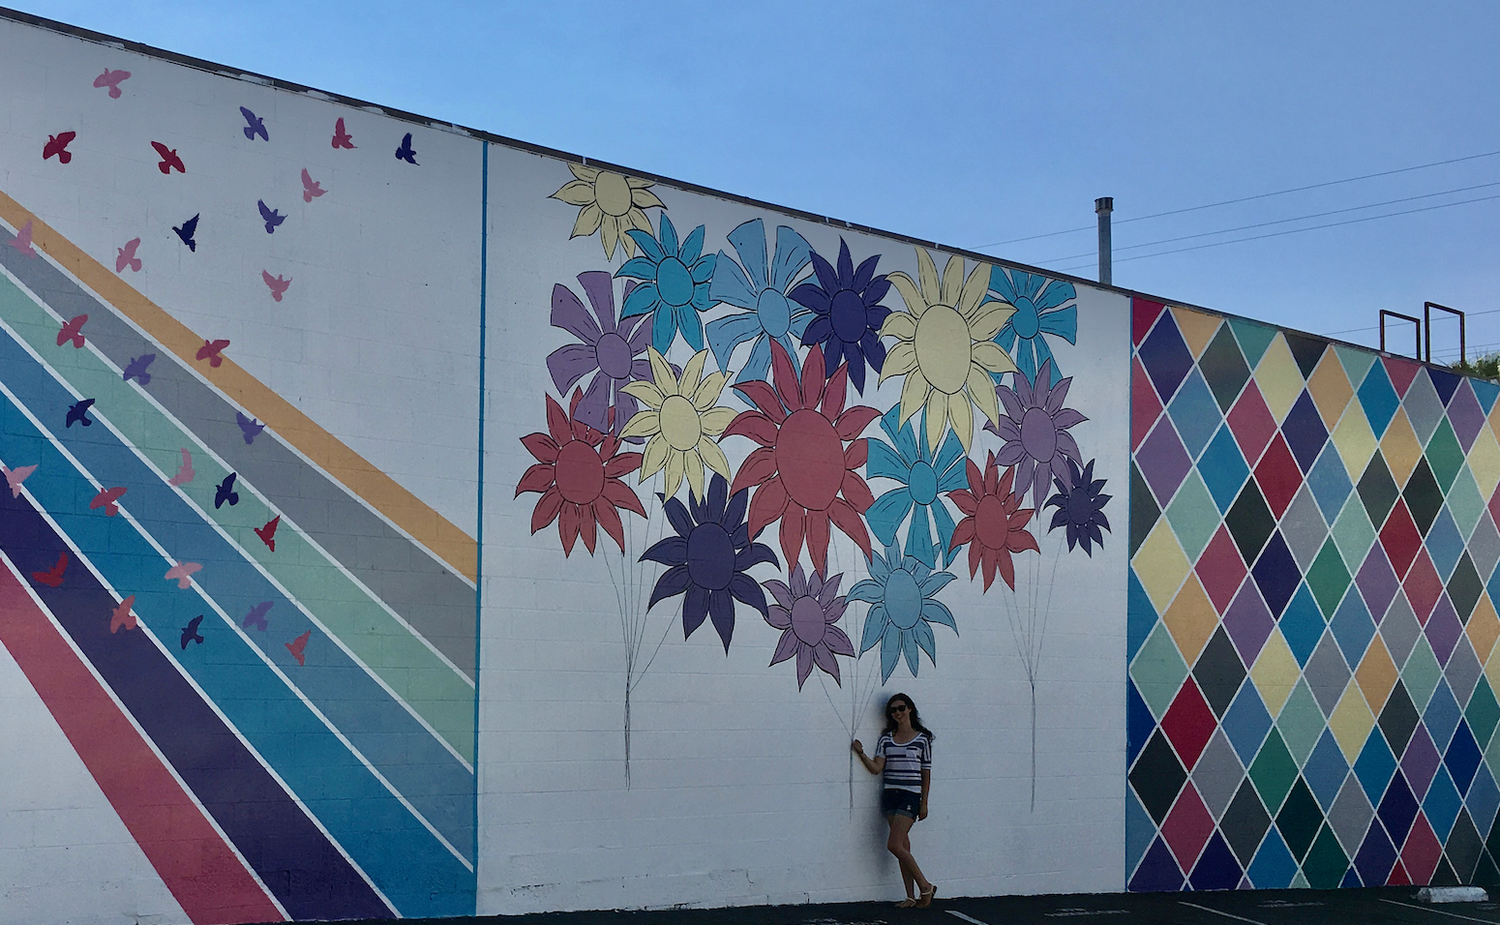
point(614, 352)
point(805, 613)
point(1034, 426)
point(708, 558)
point(848, 314)
point(1080, 507)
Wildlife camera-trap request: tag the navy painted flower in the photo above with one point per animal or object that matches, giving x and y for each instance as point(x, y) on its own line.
point(903, 608)
point(924, 480)
point(708, 558)
point(849, 314)
point(760, 289)
point(1042, 308)
point(615, 353)
point(806, 612)
point(1080, 507)
point(674, 288)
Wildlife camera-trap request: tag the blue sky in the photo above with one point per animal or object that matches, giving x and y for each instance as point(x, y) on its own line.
point(976, 123)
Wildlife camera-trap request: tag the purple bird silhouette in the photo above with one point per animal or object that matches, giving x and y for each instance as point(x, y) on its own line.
point(271, 216)
point(187, 230)
point(254, 125)
point(257, 616)
point(406, 152)
point(250, 428)
point(137, 367)
point(190, 632)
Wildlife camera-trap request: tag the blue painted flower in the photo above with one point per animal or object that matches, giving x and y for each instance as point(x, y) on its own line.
point(1042, 307)
point(849, 314)
point(762, 291)
point(1080, 507)
point(674, 288)
point(924, 480)
point(902, 609)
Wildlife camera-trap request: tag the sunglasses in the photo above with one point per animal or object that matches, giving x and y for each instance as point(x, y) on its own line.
point(898, 708)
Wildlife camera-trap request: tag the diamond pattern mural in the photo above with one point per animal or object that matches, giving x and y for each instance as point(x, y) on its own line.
point(1313, 669)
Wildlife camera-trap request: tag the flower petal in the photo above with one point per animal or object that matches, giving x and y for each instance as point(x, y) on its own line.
point(758, 467)
point(712, 456)
point(747, 591)
point(588, 221)
point(787, 645)
point(915, 303)
point(752, 424)
point(538, 478)
point(767, 505)
point(644, 423)
point(854, 420)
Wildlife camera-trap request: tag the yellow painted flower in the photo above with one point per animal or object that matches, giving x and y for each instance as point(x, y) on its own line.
point(945, 347)
point(611, 204)
point(681, 420)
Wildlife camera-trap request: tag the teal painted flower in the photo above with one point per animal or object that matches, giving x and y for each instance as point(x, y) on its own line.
point(900, 591)
point(674, 287)
point(1042, 308)
point(924, 480)
point(760, 289)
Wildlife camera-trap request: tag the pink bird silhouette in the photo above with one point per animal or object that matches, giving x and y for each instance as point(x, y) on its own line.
point(277, 283)
point(72, 329)
point(185, 472)
point(341, 138)
point(183, 573)
point(22, 240)
point(311, 189)
point(121, 615)
point(111, 79)
point(106, 499)
point(298, 646)
point(125, 256)
point(14, 478)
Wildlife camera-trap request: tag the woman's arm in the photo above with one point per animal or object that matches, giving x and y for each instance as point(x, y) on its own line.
point(926, 785)
point(873, 765)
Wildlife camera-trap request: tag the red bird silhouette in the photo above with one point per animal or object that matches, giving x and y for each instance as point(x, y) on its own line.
point(169, 158)
point(106, 499)
point(341, 138)
point(72, 329)
point(58, 144)
point(267, 533)
point(121, 615)
point(210, 351)
point(298, 646)
point(53, 577)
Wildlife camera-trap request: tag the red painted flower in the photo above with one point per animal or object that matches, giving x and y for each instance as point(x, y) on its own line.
point(994, 525)
point(804, 470)
point(578, 474)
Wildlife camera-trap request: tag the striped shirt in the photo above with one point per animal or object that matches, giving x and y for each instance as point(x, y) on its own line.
point(904, 764)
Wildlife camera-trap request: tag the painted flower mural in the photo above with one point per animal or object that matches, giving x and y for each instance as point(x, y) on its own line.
point(674, 288)
point(994, 524)
point(945, 347)
point(924, 478)
point(901, 592)
point(1080, 508)
point(849, 314)
point(805, 611)
point(681, 420)
point(578, 473)
point(708, 559)
point(761, 290)
point(609, 203)
point(1035, 431)
point(1044, 307)
point(804, 469)
point(614, 352)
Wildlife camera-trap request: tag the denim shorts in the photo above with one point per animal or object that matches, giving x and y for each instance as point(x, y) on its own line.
point(900, 803)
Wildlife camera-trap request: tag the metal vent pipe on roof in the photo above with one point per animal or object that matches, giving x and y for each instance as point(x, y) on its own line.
point(1103, 206)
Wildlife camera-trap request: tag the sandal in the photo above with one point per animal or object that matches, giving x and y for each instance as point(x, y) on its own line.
point(927, 896)
point(906, 903)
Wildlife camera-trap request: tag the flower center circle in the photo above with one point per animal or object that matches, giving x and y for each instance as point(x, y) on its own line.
point(612, 193)
point(903, 599)
point(807, 620)
point(775, 314)
point(580, 472)
point(943, 348)
point(810, 458)
point(1025, 321)
point(990, 522)
point(1080, 505)
point(673, 282)
point(847, 312)
point(679, 423)
point(1038, 435)
point(614, 356)
point(922, 483)
point(710, 557)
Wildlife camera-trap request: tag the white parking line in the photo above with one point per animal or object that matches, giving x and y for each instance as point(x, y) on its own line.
point(967, 918)
point(1227, 915)
point(1467, 918)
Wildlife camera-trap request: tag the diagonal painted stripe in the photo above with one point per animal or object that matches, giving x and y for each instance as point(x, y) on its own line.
point(438, 603)
point(395, 502)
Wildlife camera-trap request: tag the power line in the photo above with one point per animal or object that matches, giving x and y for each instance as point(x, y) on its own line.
point(1376, 327)
point(1230, 202)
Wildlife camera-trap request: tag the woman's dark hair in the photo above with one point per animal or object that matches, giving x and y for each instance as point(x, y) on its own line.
point(911, 709)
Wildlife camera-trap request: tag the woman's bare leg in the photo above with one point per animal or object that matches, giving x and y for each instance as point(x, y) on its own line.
point(906, 878)
point(899, 844)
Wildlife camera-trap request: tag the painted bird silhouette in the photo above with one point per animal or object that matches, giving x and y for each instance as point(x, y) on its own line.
point(121, 615)
point(14, 478)
point(298, 646)
point(125, 256)
point(53, 577)
point(169, 159)
point(250, 428)
point(211, 351)
point(106, 499)
point(225, 492)
point(58, 144)
point(137, 367)
point(311, 189)
point(72, 330)
point(271, 217)
point(79, 413)
point(341, 138)
point(190, 632)
point(112, 79)
point(254, 125)
point(257, 616)
point(185, 472)
point(187, 230)
point(278, 283)
point(406, 152)
point(22, 240)
point(267, 533)
point(182, 573)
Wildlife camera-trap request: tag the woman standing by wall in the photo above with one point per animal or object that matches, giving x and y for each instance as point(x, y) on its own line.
point(903, 756)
